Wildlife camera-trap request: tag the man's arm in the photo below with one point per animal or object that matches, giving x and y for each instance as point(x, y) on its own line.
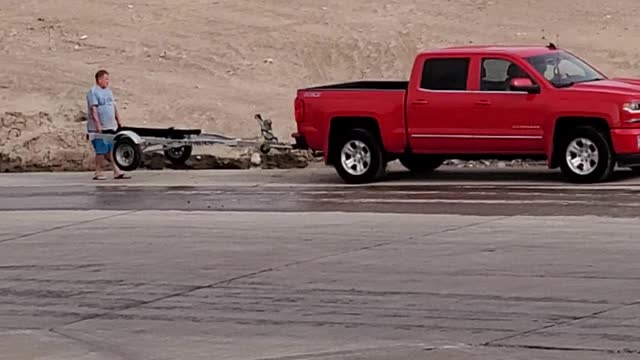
point(96, 118)
point(93, 102)
point(115, 108)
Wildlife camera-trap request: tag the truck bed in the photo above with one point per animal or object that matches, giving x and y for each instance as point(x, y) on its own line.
point(365, 85)
point(333, 105)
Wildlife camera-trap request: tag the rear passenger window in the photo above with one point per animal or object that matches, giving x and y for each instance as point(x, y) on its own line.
point(445, 74)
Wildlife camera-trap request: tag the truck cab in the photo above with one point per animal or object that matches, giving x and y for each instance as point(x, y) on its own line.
point(478, 102)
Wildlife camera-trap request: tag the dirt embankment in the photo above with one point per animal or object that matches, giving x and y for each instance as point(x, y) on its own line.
point(57, 142)
point(43, 141)
point(214, 64)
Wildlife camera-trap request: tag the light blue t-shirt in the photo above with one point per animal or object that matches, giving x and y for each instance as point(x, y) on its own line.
point(103, 99)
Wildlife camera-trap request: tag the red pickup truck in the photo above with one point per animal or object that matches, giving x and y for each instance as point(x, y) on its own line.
point(477, 102)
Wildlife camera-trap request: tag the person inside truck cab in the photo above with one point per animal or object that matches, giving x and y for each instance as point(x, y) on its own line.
point(515, 72)
point(501, 75)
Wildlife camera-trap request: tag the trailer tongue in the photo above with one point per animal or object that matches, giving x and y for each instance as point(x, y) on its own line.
point(129, 143)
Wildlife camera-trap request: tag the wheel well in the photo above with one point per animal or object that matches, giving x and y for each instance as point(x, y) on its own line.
point(564, 126)
point(340, 125)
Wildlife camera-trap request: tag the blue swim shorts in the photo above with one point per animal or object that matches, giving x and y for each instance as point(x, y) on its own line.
point(102, 147)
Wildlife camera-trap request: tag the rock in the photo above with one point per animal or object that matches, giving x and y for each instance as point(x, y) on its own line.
point(154, 161)
point(213, 162)
point(256, 159)
point(84, 37)
point(454, 162)
point(268, 61)
point(284, 160)
point(501, 164)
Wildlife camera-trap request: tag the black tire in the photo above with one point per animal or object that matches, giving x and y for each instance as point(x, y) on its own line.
point(421, 164)
point(602, 165)
point(127, 155)
point(371, 166)
point(265, 149)
point(178, 156)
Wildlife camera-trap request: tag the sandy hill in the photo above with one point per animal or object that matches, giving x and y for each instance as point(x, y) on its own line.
point(213, 64)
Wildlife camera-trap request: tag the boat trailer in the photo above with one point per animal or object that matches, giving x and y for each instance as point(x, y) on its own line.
point(129, 143)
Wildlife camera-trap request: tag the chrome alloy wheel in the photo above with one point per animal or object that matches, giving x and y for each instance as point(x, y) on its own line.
point(355, 157)
point(582, 156)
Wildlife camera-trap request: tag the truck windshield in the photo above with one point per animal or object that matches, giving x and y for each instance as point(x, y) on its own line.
point(563, 69)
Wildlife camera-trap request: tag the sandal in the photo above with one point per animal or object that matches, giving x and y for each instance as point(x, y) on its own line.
point(122, 176)
point(99, 177)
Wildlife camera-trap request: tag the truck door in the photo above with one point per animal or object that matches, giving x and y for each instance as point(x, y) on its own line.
point(511, 121)
point(439, 106)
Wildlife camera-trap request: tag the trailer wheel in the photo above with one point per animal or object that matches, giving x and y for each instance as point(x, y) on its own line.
point(127, 155)
point(359, 157)
point(179, 156)
point(265, 149)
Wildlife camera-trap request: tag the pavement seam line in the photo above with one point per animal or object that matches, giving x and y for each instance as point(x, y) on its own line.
point(91, 346)
point(323, 354)
point(562, 323)
point(259, 272)
point(24, 236)
point(562, 348)
point(143, 303)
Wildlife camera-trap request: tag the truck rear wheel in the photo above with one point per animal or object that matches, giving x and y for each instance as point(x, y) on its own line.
point(586, 156)
point(421, 164)
point(359, 157)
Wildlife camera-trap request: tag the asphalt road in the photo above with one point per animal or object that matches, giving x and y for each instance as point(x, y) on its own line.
point(471, 264)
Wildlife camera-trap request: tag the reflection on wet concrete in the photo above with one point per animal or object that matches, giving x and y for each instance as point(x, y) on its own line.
point(475, 199)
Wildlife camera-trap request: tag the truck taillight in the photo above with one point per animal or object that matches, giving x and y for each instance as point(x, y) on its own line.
point(299, 109)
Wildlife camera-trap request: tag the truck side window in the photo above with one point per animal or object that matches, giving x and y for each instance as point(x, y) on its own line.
point(445, 74)
point(498, 73)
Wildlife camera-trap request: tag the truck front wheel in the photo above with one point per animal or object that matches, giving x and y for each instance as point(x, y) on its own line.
point(359, 157)
point(586, 156)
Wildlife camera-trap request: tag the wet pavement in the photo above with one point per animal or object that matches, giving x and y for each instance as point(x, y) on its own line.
point(465, 264)
point(469, 192)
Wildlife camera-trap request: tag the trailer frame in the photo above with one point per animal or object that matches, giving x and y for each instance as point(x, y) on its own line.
point(130, 143)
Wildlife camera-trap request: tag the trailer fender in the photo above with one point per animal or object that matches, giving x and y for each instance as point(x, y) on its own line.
point(131, 135)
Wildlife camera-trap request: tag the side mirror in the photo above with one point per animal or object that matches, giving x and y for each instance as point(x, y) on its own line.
point(524, 84)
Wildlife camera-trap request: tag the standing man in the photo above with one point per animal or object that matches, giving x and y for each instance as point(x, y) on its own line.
point(102, 116)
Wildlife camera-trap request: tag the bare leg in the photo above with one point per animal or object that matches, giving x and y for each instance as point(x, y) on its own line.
point(99, 159)
point(116, 170)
